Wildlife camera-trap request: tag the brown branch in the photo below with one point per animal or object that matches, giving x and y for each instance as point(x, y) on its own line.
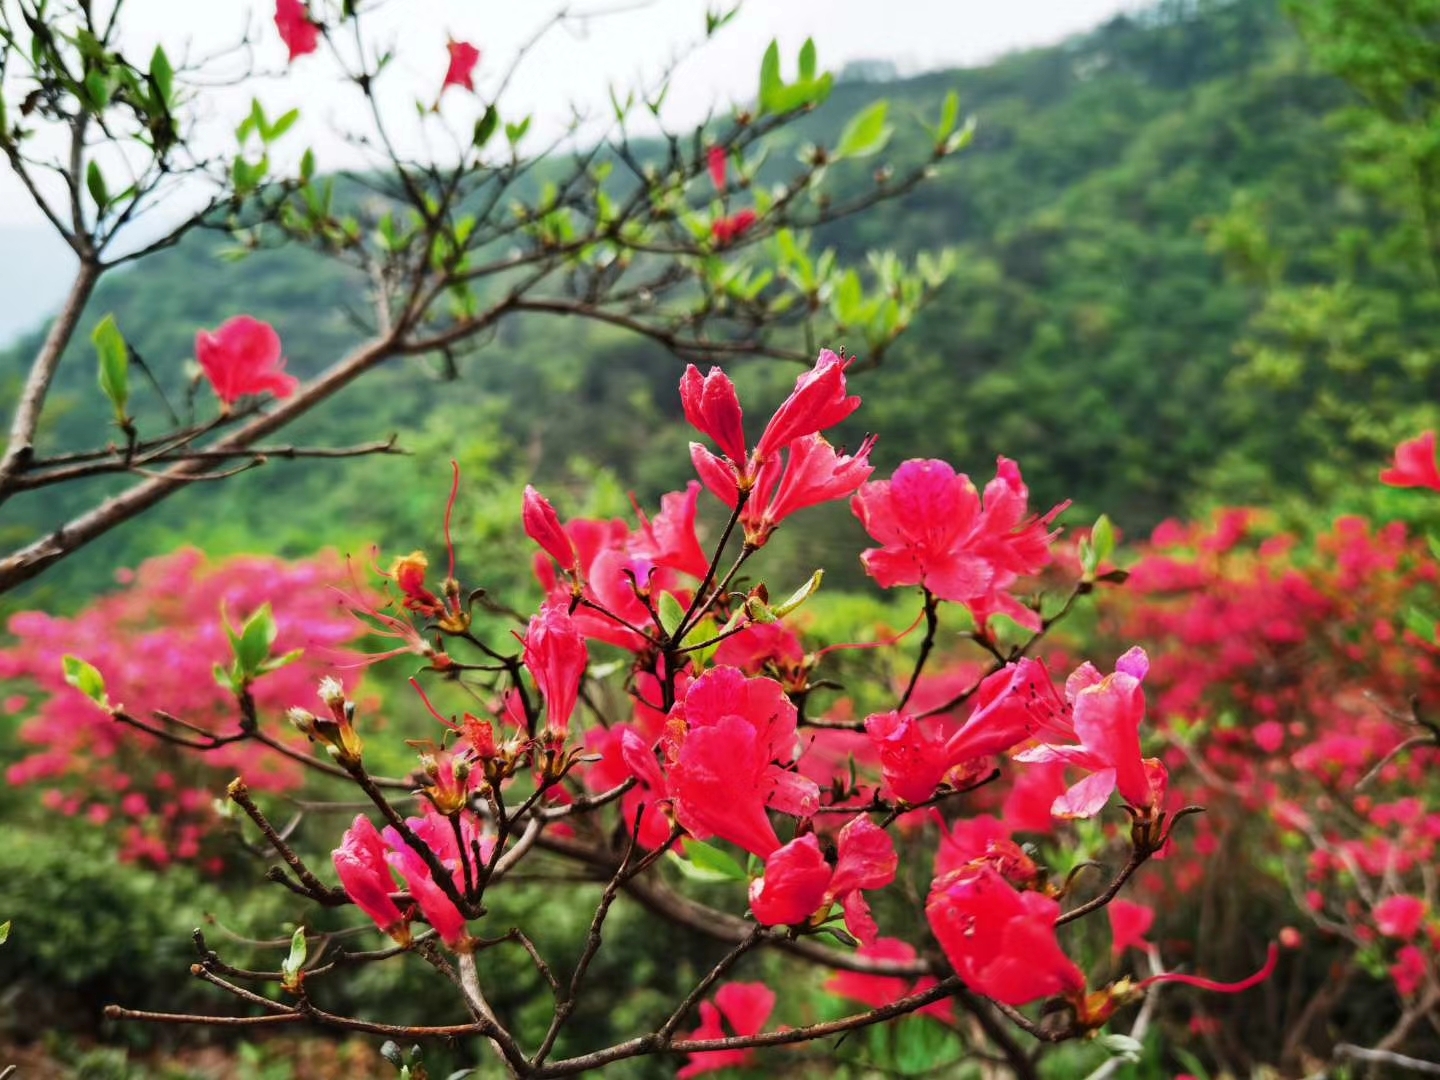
point(1136, 860)
point(316, 889)
point(21, 447)
point(652, 1044)
point(25, 563)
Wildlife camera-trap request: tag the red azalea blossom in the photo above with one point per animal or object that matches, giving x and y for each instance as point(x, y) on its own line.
point(726, 230)
point(1409, 971)
point(556, 657)
point(299, 32)
point(726, 742)
point(542, 524)
point(1414, 464)
point(877, 991)
point(1001, 942)
point(1129, 923)
point(1400, 916)
point(798, 882)
point(745, 1007)
point(243, 357)
point(365, 875)
point(936, 531)
point(461, 72)
point(713, 408)
point(1106, 713)
point(715, 161)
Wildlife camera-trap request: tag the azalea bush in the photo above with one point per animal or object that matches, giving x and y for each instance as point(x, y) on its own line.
point(657, 728)
point(169, 639)
point(1295, 680)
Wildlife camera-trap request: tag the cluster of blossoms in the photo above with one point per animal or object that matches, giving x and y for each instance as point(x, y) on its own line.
point(721, 741)
point(158, 641)
point(1293, 678)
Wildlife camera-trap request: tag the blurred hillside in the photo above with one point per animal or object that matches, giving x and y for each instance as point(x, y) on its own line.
point(1134, 203)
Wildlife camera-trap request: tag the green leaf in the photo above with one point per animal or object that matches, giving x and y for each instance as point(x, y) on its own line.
point(515, 132)
point(252, 647)
point(866, 133)
point(95, 183)
point(1421, 625)
point(296, 960)
point(485, 126)
point(800, 595)
point(4, 931)
point(257, 120)
point(281, 126)
point(672, 613)
point(307, 165)
point(807, 61)
point(705, 863)
point(770, 82)
point(949, 116)
point(97, 88)
point(114, 357)
point(86, 678)
point(162, 74)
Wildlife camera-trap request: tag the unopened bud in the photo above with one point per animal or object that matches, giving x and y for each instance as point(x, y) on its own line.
point(331, 692)
point(303, 719)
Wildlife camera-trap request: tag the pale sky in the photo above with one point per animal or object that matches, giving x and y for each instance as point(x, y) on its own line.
point(576, 63)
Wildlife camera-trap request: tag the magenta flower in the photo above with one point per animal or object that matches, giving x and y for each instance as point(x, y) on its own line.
point(360, 862)
point(542, 524)
point(556, 657)
point(935, 530)
point(299, 32)
point(243, 357)
point(726, 743)
point(461, 72)
point(799, 882)
point(745, 1007)
point(1129, 923)
point(1414, 464)
point(1400, 916)
point(713, 408)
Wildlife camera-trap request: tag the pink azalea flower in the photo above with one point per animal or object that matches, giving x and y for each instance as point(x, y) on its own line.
point(819, 401)
point(556, 657)
point(935, 530)
point(1414, 464)
point(999, 941)
point(299, 32)
point(713, 408)
point(542, 524)
point(798, 881)
point(715, 161)
point(876, 991)
point(1106, 712)
point(243, 357)
point(723, 741)
point(1129, 923)
point(1409, 971)
point(745, 1007)
point(1400, 916)
point(461, 72)
point(726, 230)
point(365, 876)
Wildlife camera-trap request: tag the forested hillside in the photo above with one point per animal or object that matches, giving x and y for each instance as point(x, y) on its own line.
point(1148, 220)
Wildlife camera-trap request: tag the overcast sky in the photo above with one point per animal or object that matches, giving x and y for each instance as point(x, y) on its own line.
point(629, 42)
